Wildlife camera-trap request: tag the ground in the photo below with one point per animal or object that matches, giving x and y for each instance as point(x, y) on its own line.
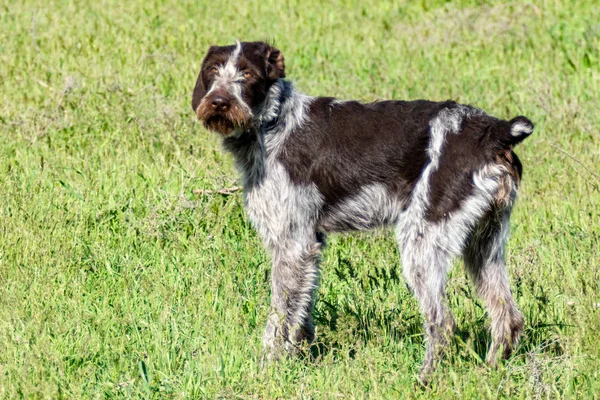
point(124, 274)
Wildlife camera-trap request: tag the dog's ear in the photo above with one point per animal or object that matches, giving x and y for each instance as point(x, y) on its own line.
point(275, 64)
point(199, 92)
point(199, 89)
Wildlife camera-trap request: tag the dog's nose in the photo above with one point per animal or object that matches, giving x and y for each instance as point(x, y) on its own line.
point(220, 103)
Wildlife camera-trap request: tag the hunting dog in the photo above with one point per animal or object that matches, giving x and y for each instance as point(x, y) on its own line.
point(442, 174)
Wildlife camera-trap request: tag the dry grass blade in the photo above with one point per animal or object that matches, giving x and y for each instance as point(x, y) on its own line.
point(224, 191)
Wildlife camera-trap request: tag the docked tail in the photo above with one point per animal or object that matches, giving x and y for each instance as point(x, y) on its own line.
point(510, 133)
point(520, 128)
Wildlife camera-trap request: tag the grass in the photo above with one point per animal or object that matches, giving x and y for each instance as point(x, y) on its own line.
point(117, 281)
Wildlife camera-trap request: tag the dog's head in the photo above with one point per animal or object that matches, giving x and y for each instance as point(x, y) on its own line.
point(233, 81)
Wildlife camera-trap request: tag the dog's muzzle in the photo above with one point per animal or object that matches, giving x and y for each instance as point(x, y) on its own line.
point(222, 114)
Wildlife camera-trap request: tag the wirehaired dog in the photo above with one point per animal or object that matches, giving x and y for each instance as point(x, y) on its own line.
point(442, 174)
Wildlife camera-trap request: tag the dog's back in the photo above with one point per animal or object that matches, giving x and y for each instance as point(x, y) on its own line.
point(357, 153)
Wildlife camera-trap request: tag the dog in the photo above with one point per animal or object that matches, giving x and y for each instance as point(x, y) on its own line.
point(443, 174)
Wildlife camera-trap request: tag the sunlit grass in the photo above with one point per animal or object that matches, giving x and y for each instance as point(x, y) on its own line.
point(116, 280)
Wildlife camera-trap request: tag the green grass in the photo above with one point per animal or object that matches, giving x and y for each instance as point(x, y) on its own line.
point(117, 281)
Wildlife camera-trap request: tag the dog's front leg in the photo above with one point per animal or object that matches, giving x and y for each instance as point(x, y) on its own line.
point(294, 280)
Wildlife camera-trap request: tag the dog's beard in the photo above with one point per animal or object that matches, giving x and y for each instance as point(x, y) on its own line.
point(224, 123)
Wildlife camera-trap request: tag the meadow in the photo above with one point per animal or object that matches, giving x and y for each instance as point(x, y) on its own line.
point(126, 273)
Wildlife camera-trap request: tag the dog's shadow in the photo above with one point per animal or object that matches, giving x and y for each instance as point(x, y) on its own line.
point(351, 321)
point(470, 342)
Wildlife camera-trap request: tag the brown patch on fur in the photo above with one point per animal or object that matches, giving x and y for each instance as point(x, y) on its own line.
point(507, 325)
point(235, 118)
point(276, 63)
point(508, 181)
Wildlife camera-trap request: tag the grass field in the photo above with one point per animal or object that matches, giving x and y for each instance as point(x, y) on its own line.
point(118, 280)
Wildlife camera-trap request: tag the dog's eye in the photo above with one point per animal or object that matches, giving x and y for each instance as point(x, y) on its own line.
point(247, 74)
point(214, 69)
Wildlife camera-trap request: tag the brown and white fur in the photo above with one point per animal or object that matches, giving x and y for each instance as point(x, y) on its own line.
point(443, 175)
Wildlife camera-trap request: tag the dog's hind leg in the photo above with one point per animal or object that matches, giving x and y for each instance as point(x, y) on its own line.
point(294, 280)
point(425, 267)
point(484, 261)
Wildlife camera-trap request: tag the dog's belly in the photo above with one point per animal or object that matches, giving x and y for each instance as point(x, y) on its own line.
point(371, 207)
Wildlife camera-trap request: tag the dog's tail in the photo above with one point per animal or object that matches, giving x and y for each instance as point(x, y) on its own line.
point(511, 133)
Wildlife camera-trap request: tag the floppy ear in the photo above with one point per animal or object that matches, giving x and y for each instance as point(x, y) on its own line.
point(275, 64)
point(199, 92)
point(199, 89)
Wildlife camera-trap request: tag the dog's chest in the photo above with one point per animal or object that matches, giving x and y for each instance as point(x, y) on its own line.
point(277, 207)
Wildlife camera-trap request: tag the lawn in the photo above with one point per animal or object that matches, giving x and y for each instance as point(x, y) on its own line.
point(125, 274)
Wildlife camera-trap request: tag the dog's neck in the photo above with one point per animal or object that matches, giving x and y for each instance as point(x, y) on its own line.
point(279, 115)
point(268, 112)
